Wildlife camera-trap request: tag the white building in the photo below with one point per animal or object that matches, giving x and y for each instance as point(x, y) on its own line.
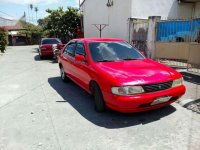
point(117, 13)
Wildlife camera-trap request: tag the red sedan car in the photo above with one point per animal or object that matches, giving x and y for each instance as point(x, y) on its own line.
point(118, 75)
point(45, 47)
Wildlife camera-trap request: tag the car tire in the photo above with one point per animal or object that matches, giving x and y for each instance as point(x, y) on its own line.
point(98, 99)
point(55, 59)
point(63, 75)
point(41, 57)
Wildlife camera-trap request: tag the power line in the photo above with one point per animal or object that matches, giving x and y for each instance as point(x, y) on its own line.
point(5, 13)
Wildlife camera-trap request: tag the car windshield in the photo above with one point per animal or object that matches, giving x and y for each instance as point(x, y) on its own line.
point(50, 41)
point(113, 51)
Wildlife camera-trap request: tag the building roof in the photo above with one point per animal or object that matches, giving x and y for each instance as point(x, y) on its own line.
point(7, 22)
point(12, 25)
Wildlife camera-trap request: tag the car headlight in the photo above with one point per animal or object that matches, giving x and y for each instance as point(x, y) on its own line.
point(177, 82)
point(127, 90)
point(54, 46)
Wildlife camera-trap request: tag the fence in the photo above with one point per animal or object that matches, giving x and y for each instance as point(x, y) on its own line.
point(178, 43)
point(178, 30)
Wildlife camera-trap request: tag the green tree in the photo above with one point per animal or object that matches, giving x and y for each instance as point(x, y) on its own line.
point(32, 31)
point(53, 22)
point(42, 22)
point(3, 40)
point(61, 24)
point(31, 7)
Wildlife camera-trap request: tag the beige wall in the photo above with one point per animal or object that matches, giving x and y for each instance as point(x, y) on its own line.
point(179, 51)
point(197, 9)
point(171, 50)
point(194, 55)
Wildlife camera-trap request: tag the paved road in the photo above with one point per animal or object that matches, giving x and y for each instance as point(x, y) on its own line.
point(40, 112)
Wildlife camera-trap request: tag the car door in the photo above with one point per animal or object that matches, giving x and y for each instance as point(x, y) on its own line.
point(81, 70)
point(68, 58)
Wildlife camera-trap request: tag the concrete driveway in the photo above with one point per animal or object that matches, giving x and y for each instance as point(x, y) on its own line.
point(40, 112)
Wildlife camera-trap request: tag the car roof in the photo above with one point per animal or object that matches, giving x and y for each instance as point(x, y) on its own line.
point(49, 38)
point(99, 40)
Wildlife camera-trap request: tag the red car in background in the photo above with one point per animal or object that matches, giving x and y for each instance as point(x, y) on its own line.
point(45, 47)
point(118, 75)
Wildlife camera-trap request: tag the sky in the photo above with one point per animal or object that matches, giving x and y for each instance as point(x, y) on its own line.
point(14, 9)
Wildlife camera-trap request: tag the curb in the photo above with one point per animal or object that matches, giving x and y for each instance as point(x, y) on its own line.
point(186, 102)
point(191, 104)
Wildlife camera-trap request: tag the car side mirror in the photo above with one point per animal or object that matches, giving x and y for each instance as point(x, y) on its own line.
point(79, 57)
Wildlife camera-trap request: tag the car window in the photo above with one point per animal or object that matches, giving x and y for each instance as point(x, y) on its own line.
point(51, 41)
point(70, 49)
point(113, 51)
point(80, 49)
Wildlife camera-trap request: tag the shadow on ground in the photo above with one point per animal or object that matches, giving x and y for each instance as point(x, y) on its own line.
point(47, 59)
point(84, 104)
point(192, 78)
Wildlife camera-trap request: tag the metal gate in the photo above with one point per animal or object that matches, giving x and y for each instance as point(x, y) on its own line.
point(139, 34)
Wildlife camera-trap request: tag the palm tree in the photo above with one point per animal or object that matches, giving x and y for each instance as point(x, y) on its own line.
point(31, 7)
point(36, 10)
point(28, 14)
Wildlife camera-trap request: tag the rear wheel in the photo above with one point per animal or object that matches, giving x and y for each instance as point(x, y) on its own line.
point(55, 59)
point(63, 75)
point(41, 57)
point(98, 98)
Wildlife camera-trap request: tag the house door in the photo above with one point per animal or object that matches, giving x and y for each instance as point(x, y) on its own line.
point(10, 40)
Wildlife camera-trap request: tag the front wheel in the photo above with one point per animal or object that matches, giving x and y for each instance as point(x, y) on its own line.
point(98, 98)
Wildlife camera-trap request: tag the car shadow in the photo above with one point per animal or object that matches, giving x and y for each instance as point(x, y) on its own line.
point(192, 78)
point(47, 59)
point(84, 104)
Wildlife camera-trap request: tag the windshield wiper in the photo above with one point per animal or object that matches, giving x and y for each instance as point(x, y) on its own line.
point(130, 59)
point(105, 60)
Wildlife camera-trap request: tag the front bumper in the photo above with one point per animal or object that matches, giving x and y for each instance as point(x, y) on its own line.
point(141, 102)
point(46, 53)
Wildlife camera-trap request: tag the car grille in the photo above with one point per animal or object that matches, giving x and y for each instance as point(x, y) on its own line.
point(157, 87)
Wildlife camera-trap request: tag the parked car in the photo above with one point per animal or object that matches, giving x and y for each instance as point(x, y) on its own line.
point(45, 47)
point(118, 75)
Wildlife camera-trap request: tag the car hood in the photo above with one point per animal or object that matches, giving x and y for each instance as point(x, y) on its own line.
point(138, 72)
